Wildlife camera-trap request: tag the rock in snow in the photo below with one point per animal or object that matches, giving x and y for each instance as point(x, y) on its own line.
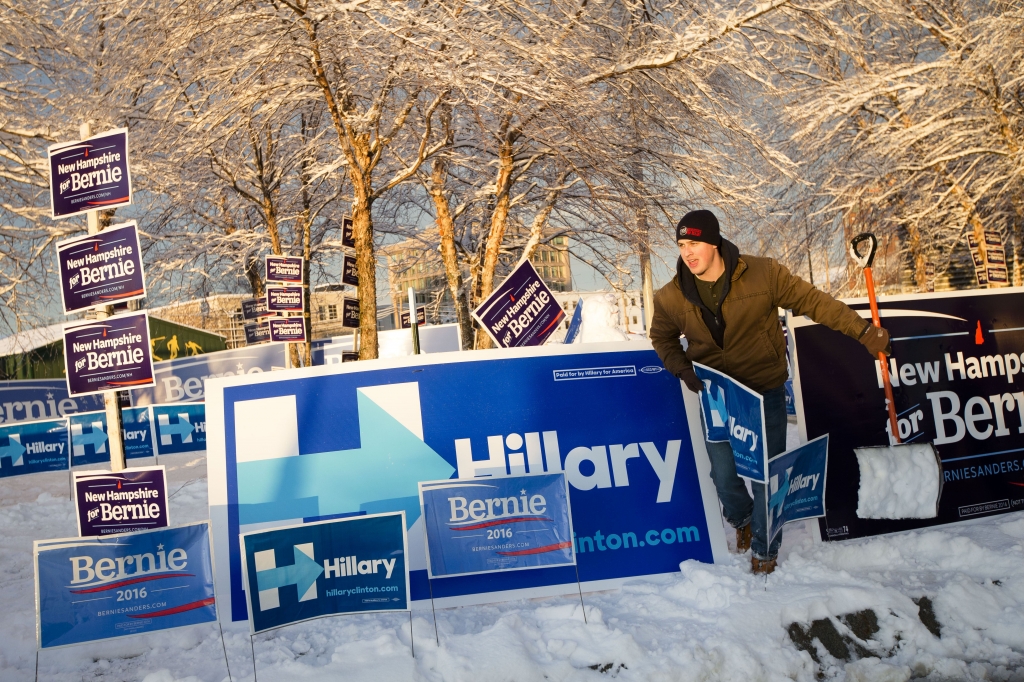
point(901, 482)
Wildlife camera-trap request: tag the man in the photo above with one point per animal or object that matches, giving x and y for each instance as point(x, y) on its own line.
point(726, 306)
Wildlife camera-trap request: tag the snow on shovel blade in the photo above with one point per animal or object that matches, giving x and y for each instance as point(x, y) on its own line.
point(899, 482)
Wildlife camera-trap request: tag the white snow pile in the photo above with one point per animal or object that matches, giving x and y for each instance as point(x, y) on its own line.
point(600, 320)
point(902, 482)
point(706, 622)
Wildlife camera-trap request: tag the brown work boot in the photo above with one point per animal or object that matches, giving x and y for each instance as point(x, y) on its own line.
point(743, 539)
point(762, 566)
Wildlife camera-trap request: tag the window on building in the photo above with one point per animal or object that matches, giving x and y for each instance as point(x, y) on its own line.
point(632, 301)
point(634, 322)
point(332, 312)
point(323, 315)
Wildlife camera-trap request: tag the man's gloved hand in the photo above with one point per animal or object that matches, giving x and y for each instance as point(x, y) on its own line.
point(876, 340)
point(689, 377)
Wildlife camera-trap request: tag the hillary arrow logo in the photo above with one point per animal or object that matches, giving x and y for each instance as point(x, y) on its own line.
point(381, 475)
point(97, 438)
point(182, 428)
point(303, 574)
point(14, 449)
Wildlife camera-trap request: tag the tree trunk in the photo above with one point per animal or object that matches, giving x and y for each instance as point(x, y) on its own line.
point(449, 255)
point(499, 222)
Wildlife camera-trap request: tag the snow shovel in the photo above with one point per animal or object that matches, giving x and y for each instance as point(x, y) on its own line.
point(901, 481)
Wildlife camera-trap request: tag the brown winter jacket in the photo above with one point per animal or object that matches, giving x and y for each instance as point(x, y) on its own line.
point(754, 349)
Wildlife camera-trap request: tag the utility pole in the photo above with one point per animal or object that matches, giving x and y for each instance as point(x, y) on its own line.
point(110, 398)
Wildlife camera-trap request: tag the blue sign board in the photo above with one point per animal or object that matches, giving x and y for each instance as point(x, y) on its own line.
point(33, 447)
point(89, 589)
point(182, 380)
point(301, 572)
point(734, 413)
point(356, 438)
point(138, 432)
point(575, 323)
point(796, 484)
point(179, 428)
point(35, 399)
point(89, 438)
point(502, 524)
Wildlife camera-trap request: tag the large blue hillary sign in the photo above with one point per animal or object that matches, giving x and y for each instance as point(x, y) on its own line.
point(734, 413)
point(357, 438)
point(33, 447)
point(503, 524)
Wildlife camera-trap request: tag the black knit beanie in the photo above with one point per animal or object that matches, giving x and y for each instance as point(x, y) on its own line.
point(699, 226)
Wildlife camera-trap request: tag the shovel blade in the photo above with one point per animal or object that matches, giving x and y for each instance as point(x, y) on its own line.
point(899, 482)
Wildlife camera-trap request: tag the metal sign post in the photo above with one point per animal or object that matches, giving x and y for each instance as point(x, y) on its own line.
point(414, 322)
point(110, 399)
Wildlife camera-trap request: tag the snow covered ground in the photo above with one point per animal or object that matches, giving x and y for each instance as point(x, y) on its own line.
point(704, 623)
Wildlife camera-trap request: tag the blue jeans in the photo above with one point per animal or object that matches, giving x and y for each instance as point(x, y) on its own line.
point(739, 508)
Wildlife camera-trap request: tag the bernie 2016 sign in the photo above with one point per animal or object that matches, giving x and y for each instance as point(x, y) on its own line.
point(89, 589)
point(101, 268)
point(957, 368)
point(358, 438)
point(330, 568)
point(521, 311)
point(503, 524)
point(106, 355)
point(108, 503)
point(735, 414)
point(90, 174)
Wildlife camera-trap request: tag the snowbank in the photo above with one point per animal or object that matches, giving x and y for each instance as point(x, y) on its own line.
point(704, 623)
point(600, 320)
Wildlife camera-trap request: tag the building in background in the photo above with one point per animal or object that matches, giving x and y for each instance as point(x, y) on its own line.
point(631, 311)
point(416, 262)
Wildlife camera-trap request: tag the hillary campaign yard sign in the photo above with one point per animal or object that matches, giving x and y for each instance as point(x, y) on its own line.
point(108, 503)
point(32, 447)
point(179, 428)
point(796, 484)
point(88, 431)
point(90, 174)
point(503, 524)
point(101, 269)
point(108, 355)
point(306, 571)
point(284, 269)
point(89, 589)
point(353, 438)
point(182, 380)
point(957, 368)
point(138, 432)
point(734, 413)
point(521, 311)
